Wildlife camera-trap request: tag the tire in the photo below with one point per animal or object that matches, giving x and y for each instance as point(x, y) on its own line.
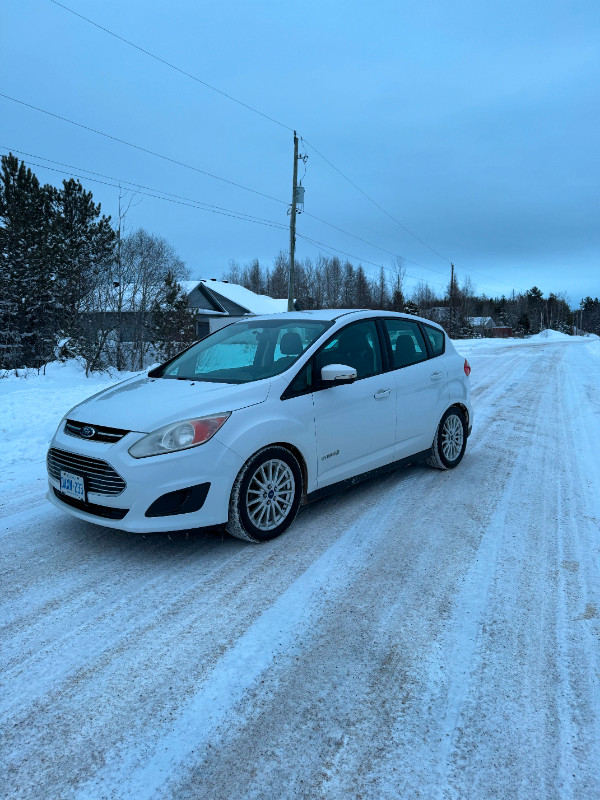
point(450, 440)
point(266, 495)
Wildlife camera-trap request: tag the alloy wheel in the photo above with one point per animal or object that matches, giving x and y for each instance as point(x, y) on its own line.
point(452, 437)
point(270, 494)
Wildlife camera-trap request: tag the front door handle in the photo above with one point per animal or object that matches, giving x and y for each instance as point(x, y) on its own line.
point(381, 394)
point(435, 376)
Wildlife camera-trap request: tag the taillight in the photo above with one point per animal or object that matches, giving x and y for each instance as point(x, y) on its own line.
point(467, 368)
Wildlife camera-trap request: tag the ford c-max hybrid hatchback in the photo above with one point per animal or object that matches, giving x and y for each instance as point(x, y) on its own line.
point(261, 416)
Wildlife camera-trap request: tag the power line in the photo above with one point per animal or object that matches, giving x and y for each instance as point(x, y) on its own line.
point(374, 202)
point(414, 235)
point(172, 66)
point(160, 194)
point(372, 244)
point(196, 204)
point(192, 204)
point(137, 186)
point(357, 258)
point(397, 255)
point(282, 125)
point(244, 105)
point(142, 149)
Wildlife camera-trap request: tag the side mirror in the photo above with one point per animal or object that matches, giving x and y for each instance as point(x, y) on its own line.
point(338, 374)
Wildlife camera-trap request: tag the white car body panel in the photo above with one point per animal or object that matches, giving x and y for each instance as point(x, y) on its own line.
point(421, 399)
point(290, 422)
point(355, 430)
point(145, 404)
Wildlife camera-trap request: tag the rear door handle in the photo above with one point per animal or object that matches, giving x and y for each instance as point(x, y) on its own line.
point(381, 394)
point(435, 376)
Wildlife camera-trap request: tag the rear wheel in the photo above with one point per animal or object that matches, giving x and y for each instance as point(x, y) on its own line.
point(450, 440)
point(266, 495)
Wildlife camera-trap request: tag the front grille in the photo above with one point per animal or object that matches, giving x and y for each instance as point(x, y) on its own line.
point(101, 432)
point(99, 476)
point(92, 508)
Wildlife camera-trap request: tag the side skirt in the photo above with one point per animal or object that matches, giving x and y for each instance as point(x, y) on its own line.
point(366, 476)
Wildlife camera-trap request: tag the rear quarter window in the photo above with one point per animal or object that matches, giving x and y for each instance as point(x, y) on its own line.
point(437, 339)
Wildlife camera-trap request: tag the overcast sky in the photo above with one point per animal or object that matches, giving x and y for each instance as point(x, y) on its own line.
point(474, 125)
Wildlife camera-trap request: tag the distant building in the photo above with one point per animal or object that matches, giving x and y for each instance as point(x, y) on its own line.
point(504, 332)
point(481, 325)
point(218, 303)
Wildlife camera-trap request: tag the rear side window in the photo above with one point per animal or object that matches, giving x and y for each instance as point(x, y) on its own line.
point(408, 345)
point(436, 339)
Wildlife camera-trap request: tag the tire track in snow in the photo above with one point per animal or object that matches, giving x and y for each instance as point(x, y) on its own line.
point(455, 656)
point(148, 688)
point(136, 683)
point(520, 694)
point(354, 739)
point(578, 622)
point(140, 772)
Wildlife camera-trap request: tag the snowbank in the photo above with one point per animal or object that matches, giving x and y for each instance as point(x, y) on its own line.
point(545, 337)
point(549, 335)
point(32, 405)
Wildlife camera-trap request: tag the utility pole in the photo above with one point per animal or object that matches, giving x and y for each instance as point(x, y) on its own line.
point(451, 331)
point(293, 226)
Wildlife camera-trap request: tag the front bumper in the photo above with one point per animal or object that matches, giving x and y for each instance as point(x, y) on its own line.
point(148, 479)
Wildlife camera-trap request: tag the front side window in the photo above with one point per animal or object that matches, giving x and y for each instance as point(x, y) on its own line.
point(357, 346)
point(408, 344)
point(245, 351)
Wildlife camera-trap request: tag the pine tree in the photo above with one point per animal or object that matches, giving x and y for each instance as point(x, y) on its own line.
point(410, 307)
point(363, 290)
point(172, 325)
point(83, 248)
point(348, 286)
point(26, 310)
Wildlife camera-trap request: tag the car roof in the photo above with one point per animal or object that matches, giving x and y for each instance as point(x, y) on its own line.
point(333, 314)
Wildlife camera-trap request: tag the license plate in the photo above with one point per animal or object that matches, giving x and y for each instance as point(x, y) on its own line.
point(72, 485)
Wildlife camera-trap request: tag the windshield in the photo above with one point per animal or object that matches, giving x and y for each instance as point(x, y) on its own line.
point(245, 351)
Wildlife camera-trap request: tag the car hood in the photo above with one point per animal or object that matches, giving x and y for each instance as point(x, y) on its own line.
point(144, 404)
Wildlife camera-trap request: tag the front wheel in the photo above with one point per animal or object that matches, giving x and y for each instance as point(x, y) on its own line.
point(450, 440)
point(266, 495)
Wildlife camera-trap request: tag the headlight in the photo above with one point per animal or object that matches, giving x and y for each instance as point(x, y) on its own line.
point(178, 436)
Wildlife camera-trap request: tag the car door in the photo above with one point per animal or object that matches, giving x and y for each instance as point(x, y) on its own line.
point(355, 423)
point(421, 387)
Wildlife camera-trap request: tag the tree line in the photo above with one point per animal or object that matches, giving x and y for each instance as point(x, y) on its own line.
point(328, 282)
point(73, 283)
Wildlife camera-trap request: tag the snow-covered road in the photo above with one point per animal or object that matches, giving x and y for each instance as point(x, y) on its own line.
point(425, 635)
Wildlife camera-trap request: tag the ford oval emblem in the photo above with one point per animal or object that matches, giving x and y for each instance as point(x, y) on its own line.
point(87, 431)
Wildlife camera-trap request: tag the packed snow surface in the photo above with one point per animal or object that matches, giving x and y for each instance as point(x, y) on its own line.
point(423, 635)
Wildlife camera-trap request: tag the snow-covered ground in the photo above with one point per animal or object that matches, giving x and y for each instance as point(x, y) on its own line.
point(424, 635)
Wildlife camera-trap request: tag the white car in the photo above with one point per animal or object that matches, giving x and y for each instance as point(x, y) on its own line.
point(259, 417)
